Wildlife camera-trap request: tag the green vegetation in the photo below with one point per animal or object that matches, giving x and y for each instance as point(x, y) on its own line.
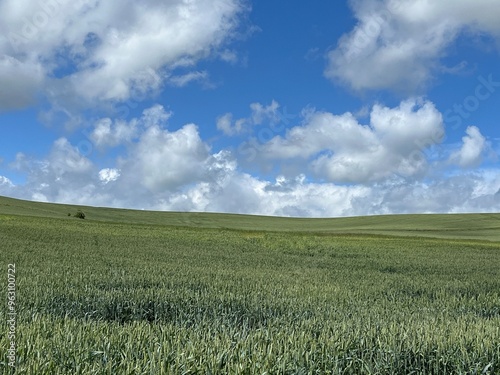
point(79, 214)
point(220, 294)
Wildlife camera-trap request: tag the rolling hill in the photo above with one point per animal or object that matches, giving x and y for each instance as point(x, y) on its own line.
point(484, 226)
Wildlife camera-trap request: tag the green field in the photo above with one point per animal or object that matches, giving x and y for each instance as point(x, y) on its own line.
point(136, 292)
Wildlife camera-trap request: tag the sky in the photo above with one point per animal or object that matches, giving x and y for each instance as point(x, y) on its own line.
point(305, 109)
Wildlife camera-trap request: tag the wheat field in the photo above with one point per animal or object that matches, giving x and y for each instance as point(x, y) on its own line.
point(208, 294)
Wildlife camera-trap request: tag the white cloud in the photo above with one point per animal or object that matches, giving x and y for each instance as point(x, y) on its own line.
point(225, 124)
point(450, 194)
point(5, 181)
point(339, 149)
point(237, 192)
point(39, 197)
point(176, 170)
point(6, 185)
point(66, 159)
point(398, 44)
point(157, 162)
point(19, 81)
point(229, 56)
point(105, 50)
point(155, 115)
point(471, 152)
point(163, 160)
point(242, 193)
point(183, 80)
point(259, 114)
point(107, 133)
point(107, 175)
point(64, 175)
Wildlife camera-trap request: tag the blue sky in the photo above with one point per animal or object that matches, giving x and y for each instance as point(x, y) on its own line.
point(310, 109)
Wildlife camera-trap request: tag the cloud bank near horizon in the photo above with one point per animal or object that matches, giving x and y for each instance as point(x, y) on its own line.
point(347, 168)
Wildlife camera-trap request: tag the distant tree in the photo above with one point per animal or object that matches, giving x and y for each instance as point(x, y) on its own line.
point(69, 214)
point(79, 214)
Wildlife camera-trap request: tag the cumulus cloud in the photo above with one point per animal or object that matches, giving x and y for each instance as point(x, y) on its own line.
point(19, 82)
point(164, 169)
point(259, 114)
point(66, 159)
point(468, 192)
point(104, 50)
point(398, 44)
point(109, 133)
point(157, 159)
point(340, 149)
point(239, 192)
point(471, 152)
point(6, 185)
point(156, 164)
point(228, 127)
point(107, 175)
point(223, 188)
point(163, 160)
point(5, 181)
point(64, 172)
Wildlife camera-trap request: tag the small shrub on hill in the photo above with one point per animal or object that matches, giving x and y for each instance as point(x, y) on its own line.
point(79, 214)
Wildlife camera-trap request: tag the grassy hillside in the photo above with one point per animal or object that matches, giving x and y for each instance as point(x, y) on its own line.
point(474, 226)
